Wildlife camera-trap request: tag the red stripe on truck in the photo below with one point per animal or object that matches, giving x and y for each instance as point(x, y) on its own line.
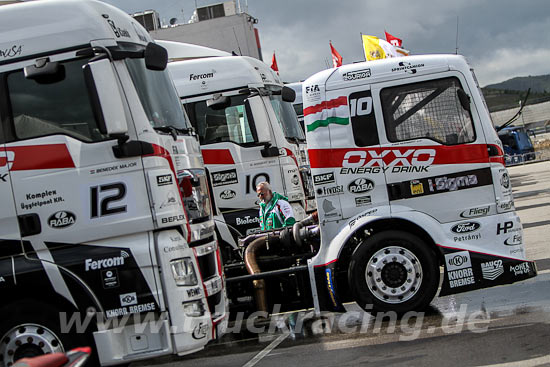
point(217, 156)
point(398, 156)
point(32, 157)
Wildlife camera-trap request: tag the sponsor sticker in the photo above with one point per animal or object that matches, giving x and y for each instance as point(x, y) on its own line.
point(475, 212)
point(459, 269)
point(355, 75)
point(417, 188)
point(323, 178)
point(362, 201)
point(61, 219)
point(164, 180)
point(222, 178)
point(199, 332)
point(520, 269)
point(128, 299)
point(329, 209)
point(330, 191)
point(227, 194)
point(492, 269)
point(111, 262)
point(360, 186)
point(110, 278)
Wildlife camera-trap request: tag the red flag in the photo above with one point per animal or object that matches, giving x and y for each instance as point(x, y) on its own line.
point(336, 57)
point(274, 64)
point(394, 41)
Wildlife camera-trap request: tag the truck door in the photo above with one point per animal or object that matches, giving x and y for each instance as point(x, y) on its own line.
point(353, 177)
point(70, 188)
point(433, 147)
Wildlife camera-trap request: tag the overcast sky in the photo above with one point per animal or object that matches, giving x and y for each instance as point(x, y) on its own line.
point(501, 39)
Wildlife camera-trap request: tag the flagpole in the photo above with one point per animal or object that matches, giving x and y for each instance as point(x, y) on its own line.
point(361, 35)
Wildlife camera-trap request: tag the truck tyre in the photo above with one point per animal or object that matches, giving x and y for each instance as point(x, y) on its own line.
point(32, 329)
point(393, 271)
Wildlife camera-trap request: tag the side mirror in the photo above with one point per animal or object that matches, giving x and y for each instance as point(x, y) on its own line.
point(156, 57)
point(269, 151)
point(288, 94)
point(257, 115)
point(105, 97)
point(45, 72)
point(219, 102)
point(464, 99)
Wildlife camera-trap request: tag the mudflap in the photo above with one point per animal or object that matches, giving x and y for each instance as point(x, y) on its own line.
point(325, 279)
point(466, 271)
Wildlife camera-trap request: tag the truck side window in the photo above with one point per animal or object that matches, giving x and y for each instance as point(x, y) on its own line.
point(227, 125)
point(62, 107)
point(429, 109)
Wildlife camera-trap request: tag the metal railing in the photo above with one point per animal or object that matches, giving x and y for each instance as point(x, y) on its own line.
point(536, 156)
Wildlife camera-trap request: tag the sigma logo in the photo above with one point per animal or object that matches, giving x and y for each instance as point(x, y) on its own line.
point(61, 219)
point(520, 269)
point(360, 186)
point(370, 158)
point(458, 260)
point(465, 227)
point(329, 191)
point(6, 158)
point(175, 218)
point(355, 75)
point(247, 220)
point(227, 194)
point(475, 212)
point(111, 262)
point(505, 181)
point(407, 67)
point(323, 178)
point(164, 180)
point(313, 89)
point(201, 76)
point(451, 183)
point(222, 178)
point(128, 299)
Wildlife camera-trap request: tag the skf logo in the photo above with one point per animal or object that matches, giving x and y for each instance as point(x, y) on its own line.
point(164, 180)
point(312, 89)
point(370, 158)
point(6, 158)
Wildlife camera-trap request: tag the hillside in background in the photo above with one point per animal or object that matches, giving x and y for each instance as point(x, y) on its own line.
point(507, 94)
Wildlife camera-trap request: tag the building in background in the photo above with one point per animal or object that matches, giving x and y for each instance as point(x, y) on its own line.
point(223, 26)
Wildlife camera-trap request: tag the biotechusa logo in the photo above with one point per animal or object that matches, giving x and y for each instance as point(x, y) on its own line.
point(451, 183)
point(520, 269)
point(164, 180)
point(407, 67)
point(363, 201)
point(7, 157)
point(247, 220)
point(323, 178)
point(360, 186)
point(61, 219)
point(12, 51)
point(119, 32)
point(374, 170)
point(330, 191)
point(372, 158)
point(475, 212)
point(362, 215)
point(111, 262)
point(222, 178)
point(459, 269)
point(492, 269)
point(173, 219)
point(202, 76)
point(227, 194)
point(355, 75)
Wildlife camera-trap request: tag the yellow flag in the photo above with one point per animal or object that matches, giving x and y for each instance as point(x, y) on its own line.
point(372, 48)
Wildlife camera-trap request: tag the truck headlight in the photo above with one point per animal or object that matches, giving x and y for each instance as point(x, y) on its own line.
point(184, 271)
point(193, 308)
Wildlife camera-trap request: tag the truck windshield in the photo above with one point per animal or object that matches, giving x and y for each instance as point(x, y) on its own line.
point(227, 125)
point(286, 116)
point(158, 96)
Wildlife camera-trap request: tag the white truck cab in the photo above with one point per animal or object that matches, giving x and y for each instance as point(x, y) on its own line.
point(106, 216)
point(409, 176)
point(249, 133)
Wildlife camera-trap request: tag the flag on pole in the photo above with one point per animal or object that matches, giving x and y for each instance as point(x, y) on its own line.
point(394, 41)
point(274, 64)
point(336, 57)
point(376, 48)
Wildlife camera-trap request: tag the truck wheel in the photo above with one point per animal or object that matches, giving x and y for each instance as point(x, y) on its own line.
point(393, 271)
point(32, 330)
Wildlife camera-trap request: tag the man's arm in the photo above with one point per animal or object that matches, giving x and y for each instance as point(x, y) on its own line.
point(287, 212)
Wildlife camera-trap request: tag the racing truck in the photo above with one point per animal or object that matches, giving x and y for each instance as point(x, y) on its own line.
point(412, 192)
point(107, 236)
point(249, 133)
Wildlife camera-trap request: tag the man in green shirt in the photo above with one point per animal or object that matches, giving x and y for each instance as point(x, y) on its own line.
point(275, 211)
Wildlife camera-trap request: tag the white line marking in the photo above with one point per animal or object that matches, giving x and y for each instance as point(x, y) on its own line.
point(258, 357)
